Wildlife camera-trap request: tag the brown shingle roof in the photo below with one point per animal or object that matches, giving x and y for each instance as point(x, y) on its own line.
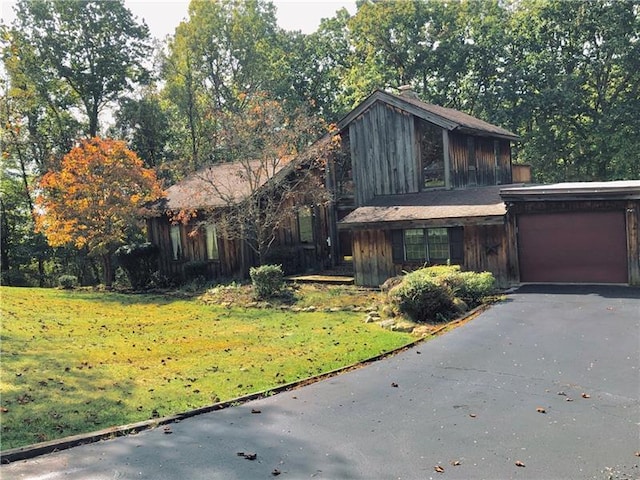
point(436, 204)
point(447, 118)
point(214, 186)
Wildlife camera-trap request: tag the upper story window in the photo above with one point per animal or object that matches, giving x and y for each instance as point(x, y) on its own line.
point(431, 154)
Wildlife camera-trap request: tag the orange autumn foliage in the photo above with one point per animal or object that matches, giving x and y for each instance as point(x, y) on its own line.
point(96, 198)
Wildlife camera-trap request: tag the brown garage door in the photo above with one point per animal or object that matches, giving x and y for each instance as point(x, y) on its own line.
point(580, 247)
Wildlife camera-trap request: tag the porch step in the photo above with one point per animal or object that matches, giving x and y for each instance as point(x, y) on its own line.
point(320, 278)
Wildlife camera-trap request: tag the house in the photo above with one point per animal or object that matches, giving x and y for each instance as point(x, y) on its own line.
point(415, 184)
point(427, 183)
point(192, 229)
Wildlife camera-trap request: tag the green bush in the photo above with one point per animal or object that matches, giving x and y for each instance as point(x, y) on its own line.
point(68, 281)
point(435, 293)
point(139, 261)
point(474, 286)
point(196, 270)
point(422, 298)
point(267, 280)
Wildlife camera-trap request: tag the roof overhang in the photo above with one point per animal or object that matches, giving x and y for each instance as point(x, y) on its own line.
point(574, 191)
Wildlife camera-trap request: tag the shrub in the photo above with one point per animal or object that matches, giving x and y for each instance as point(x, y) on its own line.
point(267, 280)
point(196, 270)
point(68, 281)
point(474, 286)
point(422, 298)
point(139, 261)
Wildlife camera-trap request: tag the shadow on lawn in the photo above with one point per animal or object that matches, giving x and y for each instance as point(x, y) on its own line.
point(44, 400)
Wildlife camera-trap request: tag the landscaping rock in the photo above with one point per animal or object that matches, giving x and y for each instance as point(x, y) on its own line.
point(421, 331)
point(388, 324)
point(403, 327)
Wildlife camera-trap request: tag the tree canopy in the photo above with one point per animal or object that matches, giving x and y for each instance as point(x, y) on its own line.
point(563, 75)
point(96, 199)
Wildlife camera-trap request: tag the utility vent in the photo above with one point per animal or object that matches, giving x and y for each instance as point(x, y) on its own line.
point(407, 91)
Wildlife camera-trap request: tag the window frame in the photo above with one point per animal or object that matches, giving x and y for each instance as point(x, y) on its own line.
point(211, 242)
point(306, 234)
point(175, 235)
point(455, 246)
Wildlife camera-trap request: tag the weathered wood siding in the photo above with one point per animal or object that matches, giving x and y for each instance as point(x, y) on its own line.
point(372, 257)
point(235, 257)
point(486, 248)
point(193, 246)
point(383, 153)
point(478, 160)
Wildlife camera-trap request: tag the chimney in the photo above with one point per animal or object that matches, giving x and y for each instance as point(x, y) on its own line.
point(407, 92)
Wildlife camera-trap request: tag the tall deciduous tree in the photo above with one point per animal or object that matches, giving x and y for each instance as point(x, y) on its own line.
point(275, 165)
point(96, 48)
point(96, 198)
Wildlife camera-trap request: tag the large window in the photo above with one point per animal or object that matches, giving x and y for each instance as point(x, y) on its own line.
point(305, 224)
point(431, 155)
point(212, 242)
point(428, 245)
point(176, 241)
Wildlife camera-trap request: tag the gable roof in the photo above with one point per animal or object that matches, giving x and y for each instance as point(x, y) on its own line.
point(214, 186)
point(224, 183)
point(472, 203)
point(446, 118)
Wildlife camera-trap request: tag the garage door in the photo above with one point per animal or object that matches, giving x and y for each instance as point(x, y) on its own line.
point(582, 247)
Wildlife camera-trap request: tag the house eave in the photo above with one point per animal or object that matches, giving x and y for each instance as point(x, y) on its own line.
point(423, 223)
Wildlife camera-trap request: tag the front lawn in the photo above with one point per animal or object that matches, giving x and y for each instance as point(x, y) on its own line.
point(79, 361)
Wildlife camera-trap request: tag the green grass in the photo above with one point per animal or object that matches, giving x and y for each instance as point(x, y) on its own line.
point(79, 361)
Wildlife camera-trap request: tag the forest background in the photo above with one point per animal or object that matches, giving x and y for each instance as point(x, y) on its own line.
point(563, 75)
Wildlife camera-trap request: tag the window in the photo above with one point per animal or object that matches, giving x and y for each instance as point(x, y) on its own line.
point(176, 241)
point(305, 224)
point(212, 242)
point(428, 245)
point(414, 247)
point(431, 155)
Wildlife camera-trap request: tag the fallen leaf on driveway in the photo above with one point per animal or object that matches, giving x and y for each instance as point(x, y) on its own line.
point(541, 410)
point(519, 463)
point(394, 385)
point(250, 456)
point(167, 430)
point(275, 472)
point(472, 415)
point(438, 469)
point(586, 395)
point(638, 454)
point(568, 399)
point(562, 393)
point(455, 463)
point(255, 410)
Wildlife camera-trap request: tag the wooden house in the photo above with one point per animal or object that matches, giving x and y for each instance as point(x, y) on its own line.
point(416, 184)
point(425, 188)
point(193, 234)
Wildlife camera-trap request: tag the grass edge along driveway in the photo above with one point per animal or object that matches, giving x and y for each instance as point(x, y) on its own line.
point(76, 362)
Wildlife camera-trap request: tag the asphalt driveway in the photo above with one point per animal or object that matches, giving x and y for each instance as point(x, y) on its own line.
point(550, 378)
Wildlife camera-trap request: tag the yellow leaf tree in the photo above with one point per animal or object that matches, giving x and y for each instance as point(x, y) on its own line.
point(96, 199)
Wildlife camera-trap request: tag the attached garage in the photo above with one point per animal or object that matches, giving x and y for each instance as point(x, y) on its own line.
point(575, 232)
point(576, 247)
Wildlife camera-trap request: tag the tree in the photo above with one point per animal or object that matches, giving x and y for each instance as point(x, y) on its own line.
point(96, 199)
point(225, 49)
point(95, 48)
point(276, 169)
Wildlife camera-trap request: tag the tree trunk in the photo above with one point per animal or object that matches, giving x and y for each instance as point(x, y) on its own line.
point(107, 270)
